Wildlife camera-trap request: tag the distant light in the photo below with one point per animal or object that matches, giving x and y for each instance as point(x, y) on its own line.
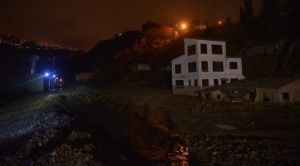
point(54, 76)
point(46, 74)
point(183, 26)
point(220, 22)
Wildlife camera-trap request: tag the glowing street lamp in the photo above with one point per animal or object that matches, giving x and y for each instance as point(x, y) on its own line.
point(220, 22)
point(183, 26)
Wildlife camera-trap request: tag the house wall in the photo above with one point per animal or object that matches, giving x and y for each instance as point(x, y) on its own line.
point(277, 95)
point(296, 95)
point(272, 94)
point(186, 90)
point(293, 90)
point(213, 77)
point(235, 73)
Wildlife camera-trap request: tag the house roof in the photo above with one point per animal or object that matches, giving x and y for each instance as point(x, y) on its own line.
point(273, 83)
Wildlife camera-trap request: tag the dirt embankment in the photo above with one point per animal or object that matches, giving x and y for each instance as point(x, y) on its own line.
point(134, 126)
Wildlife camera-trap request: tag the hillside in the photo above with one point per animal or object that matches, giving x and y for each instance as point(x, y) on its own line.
point(269, 45)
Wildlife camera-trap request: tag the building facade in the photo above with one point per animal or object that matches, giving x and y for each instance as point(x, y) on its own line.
point(204, 64)
point(275, 90)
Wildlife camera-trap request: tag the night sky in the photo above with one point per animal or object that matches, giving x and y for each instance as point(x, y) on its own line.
point(80, 24)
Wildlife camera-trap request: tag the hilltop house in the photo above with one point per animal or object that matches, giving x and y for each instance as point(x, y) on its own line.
point(204, 64)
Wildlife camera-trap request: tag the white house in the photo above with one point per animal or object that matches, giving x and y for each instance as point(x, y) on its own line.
point(204, 64)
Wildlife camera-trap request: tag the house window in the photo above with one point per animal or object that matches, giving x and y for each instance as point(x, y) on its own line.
point(191, 50)
point(233, 65)
point(195, 82)
point(178, 68)
point(285, 96)
point(203, 48)
point(218, 66)
point(205, 82)
point(179, 84)
point(192, 67)
point(217, 49)
point(216, 82)
point(204, 66)
point(190, 82)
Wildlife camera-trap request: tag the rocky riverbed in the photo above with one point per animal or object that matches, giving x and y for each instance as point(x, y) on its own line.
point(144, 127)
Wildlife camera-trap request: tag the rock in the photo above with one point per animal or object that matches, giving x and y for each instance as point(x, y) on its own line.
point(53, 153)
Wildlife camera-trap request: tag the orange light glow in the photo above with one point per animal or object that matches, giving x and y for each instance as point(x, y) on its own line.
point(220, 22)
point(183, 26)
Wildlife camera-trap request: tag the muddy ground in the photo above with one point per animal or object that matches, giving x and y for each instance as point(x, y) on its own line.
point(142, 126)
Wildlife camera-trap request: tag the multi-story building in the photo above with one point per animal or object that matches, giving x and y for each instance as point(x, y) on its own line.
point(204, 64)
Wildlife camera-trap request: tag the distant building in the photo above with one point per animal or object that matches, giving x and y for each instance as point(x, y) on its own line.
point(276, 90)
point(203, 65)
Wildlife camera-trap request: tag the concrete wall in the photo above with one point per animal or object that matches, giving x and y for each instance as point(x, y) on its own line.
point(185, 90)
point(192, 91)
point(272, 94)
point(277, 95)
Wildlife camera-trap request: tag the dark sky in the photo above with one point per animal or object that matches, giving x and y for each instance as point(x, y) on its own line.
point(80, 24)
